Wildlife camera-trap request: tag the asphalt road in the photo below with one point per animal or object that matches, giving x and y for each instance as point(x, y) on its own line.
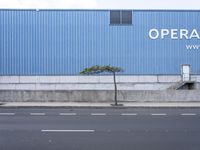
point(99, 129)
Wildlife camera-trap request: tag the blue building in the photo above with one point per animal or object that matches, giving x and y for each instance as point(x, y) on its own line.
point(64, 42)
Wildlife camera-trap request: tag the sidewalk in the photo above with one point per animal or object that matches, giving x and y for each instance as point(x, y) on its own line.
point(100, 105)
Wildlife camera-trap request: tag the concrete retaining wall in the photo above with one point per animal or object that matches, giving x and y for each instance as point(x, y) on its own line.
point(93, 89)
point(86, 86)
point(98, 96)
point(90, 79)
point(140, 82)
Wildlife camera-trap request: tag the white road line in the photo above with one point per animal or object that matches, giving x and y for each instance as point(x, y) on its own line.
point(67, 130)
point(98, 114)
point(188, 114)
point(67, 114)
point(128, 114)
point(8, 114)
point(162, 114)
point(37, 114)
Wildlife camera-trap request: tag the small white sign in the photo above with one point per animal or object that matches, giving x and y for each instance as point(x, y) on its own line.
point(186, 72)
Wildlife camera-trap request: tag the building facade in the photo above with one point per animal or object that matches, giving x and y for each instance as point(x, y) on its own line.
point(35, 44)
point(63, 42)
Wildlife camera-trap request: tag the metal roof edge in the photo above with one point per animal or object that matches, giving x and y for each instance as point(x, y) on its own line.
point(56, 9)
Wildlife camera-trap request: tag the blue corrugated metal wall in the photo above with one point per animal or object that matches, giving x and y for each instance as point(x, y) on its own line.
point(63, 42)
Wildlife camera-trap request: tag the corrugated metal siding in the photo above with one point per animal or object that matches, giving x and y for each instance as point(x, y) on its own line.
point(63, 42)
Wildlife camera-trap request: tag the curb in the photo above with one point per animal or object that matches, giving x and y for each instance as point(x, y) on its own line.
point(99, 107)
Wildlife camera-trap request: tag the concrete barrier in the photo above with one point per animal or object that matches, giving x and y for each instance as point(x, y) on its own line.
point(92, 79)
point(99, 96)
point(84, 86)
point(125, 82)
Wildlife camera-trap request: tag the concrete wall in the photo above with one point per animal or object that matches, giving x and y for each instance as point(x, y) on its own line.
point(159, 82)
point(99, 96)
point(86, 82)
point(92, 86)
point(89, 79)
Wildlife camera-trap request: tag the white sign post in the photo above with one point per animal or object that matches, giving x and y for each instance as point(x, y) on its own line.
point(185, 72)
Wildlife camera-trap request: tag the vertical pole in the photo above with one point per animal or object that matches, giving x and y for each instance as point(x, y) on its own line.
point(115, 87)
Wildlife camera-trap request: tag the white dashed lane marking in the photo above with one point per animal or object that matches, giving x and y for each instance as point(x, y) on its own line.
point(188, 114)
point(98, 114)
point(67, 114)
point(37, 114)
point(160, 114)
point(7, 114)
point(67, 130)
point(128, 114)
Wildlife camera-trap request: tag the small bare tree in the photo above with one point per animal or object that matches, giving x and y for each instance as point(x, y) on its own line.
point(104, 69)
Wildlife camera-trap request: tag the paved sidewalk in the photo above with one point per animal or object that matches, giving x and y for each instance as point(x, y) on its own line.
point(99, 105)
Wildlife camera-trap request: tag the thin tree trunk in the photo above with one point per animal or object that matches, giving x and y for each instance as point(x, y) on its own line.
point(115, 86)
